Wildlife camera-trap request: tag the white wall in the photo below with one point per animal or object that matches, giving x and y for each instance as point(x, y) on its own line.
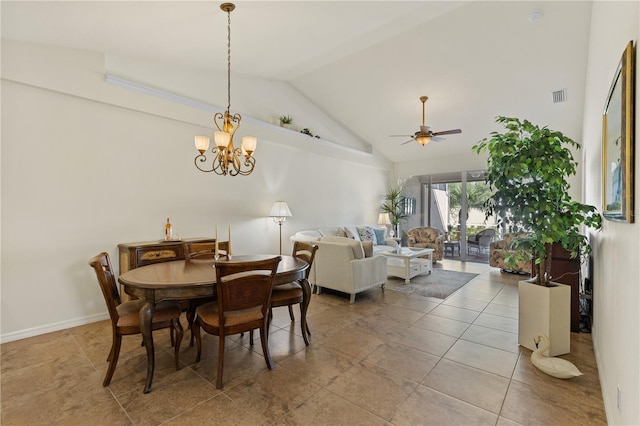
point(87, 165)
point(616, 251)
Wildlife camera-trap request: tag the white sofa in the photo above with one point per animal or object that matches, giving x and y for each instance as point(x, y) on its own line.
point(387, 244)
point(340, 263)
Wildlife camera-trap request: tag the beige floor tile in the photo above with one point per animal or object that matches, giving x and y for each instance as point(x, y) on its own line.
point(318, 364)
point(424, 340)
point(458, 314)
point(327, 408)
point(468, 384)
point(416, 303)
point(483, 357)
point(353, 341)
point(406, 362)
point(502, 310)
point(372, 388)
point(442, 325)
point(543, 405)
point(426, 406)
point(459, 301)
point(491, 337)
point(272, 393)
point(183, 391)
point(401, 314)
point(219, 410)
point(497, 322)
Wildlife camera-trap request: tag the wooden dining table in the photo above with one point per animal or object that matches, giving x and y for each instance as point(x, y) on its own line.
point(195, 279)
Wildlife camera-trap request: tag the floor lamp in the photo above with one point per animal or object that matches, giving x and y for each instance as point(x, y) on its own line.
point(280, 212)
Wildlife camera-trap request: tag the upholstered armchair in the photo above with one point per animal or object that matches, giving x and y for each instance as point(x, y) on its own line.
point(500, 249)
point(480, 241)
point(427, 237)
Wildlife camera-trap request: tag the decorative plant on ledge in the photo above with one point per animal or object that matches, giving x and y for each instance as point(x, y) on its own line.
point(394, 205)
point(528, 166)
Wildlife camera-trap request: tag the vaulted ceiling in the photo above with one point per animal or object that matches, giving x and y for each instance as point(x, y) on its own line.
point(365, 63)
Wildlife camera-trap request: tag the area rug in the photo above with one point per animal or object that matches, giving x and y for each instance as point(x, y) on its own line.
point(439, 284)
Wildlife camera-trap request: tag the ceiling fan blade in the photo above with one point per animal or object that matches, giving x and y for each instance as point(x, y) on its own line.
point(404, 143)
point(400, 136)
point(448, 132)
point(437, 139)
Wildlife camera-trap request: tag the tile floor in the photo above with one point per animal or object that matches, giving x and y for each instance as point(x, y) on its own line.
point(390, 358)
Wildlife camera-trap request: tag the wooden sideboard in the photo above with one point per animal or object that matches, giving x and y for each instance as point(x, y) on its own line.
point(134, 255)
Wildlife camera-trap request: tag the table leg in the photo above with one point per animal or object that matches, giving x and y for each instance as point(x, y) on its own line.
point(407, 264)
point(145, 317)
point(306, 298)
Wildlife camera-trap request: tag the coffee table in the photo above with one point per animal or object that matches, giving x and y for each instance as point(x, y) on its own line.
point(409, 262)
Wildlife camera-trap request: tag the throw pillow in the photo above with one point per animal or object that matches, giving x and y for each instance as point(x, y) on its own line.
point(367, 247)
point(351, 232)
point(341, 233)
point(366, 234)
point(380, 233)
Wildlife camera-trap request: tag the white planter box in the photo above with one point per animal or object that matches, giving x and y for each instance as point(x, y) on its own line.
point(545, 310)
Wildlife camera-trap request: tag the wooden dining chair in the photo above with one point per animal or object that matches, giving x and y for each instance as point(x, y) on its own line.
point(200, 251)
point(124, 315)
point(291, 294)
point(243, 291)
point(205, 250)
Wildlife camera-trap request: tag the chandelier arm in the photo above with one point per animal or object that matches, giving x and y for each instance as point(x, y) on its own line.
point(218, 116)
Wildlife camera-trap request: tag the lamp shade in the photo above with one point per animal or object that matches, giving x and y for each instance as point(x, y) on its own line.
point(383, 219)
point(249, 145)
point(423, 140)
point(202, 143)
point(280, 209)
point(222, 139)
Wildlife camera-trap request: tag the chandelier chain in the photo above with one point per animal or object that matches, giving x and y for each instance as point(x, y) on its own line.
point(228, 60)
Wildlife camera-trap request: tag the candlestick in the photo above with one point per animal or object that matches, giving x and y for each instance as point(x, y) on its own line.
point(215, 252)
point(229, 244)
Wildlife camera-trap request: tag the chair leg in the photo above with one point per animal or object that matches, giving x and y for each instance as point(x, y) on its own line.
point(179, 334)
point(221, 340)
point(196, 331)
point(191, 314)
point(291, 314)
point(115, 353)
point(265, 346)
point(251, 338)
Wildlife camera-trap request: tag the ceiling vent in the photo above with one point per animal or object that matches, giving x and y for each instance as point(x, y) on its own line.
point(559, 96)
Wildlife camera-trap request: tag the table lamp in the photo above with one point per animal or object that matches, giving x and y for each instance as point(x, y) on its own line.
point(383, 219)
point(280, 212)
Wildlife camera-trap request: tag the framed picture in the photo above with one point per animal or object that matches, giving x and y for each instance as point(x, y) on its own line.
point(618, 143)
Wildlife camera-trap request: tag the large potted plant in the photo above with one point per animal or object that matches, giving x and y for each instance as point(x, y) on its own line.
point(528, 167)
point(394, 205)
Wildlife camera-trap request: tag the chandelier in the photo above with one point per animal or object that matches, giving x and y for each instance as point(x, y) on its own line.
point(227, 159)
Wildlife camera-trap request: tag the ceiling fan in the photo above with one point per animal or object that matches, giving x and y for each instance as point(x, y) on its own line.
point(425, 135)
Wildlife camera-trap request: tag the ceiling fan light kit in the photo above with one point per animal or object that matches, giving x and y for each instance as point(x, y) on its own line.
point(425, 135)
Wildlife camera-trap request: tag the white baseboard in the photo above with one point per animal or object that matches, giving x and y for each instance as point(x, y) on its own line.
point(48, 328)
